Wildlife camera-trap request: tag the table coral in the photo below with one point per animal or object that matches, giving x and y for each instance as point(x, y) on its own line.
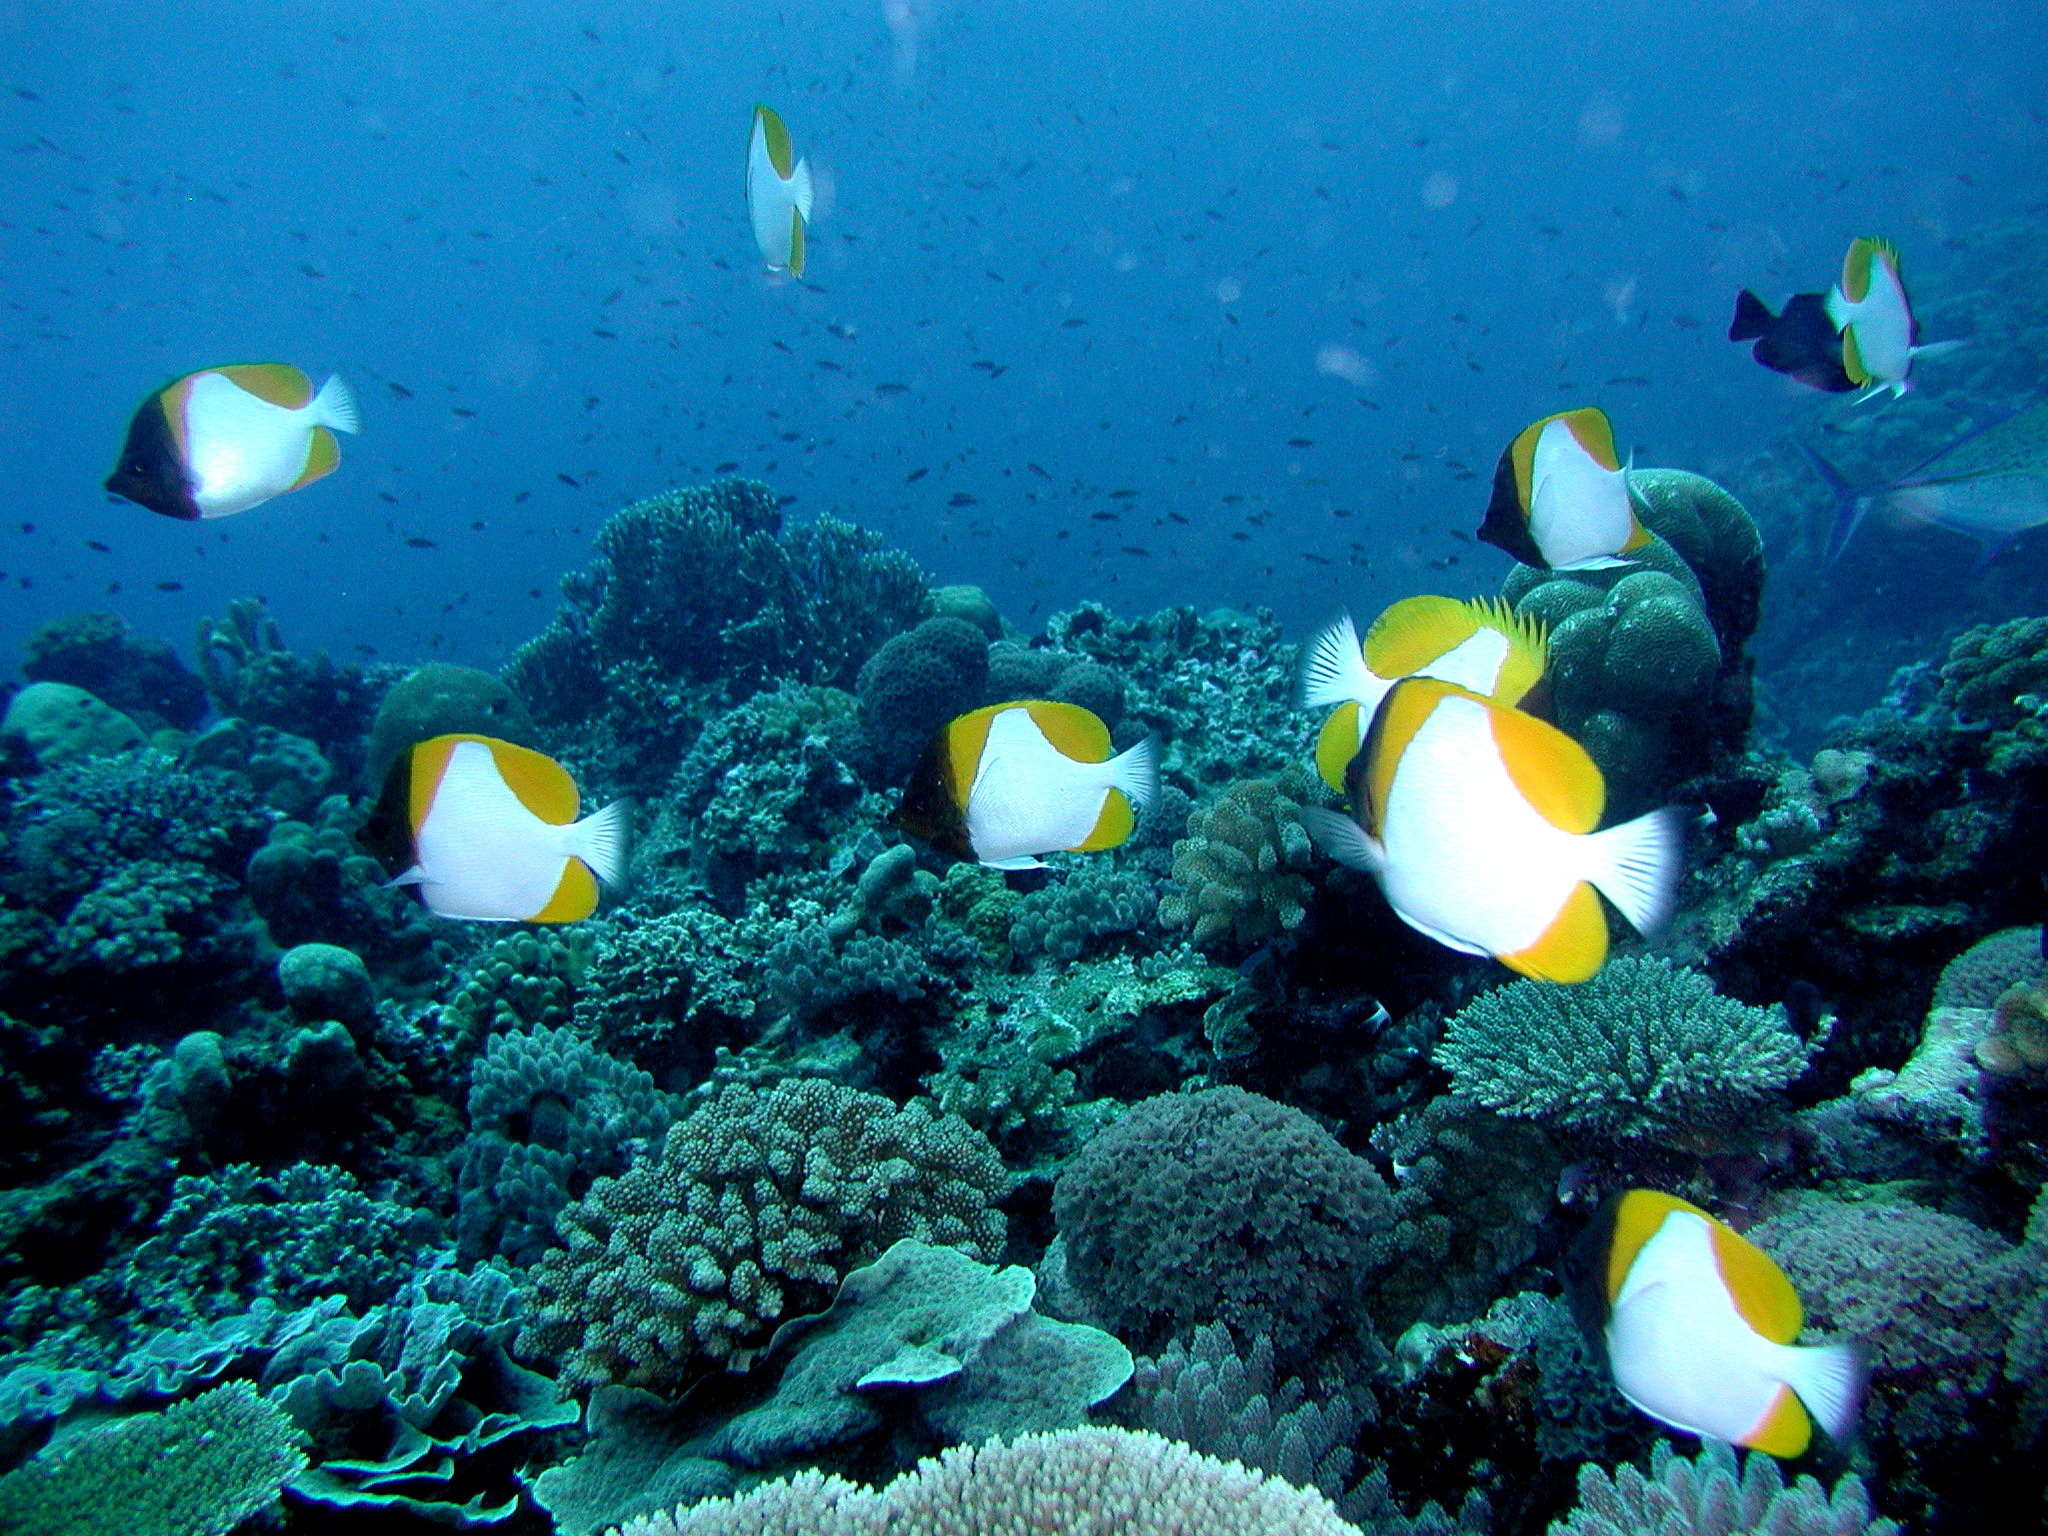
point(1644, 1051)
point(756, 1205)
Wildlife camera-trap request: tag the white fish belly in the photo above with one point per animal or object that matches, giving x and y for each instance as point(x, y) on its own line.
point(1679, 1349)
point(481, 853)
point(769, 201)
point(1579, 509)
point(1884, 326)
point(1466, 855)
point(240, 450)
point(1029, 798)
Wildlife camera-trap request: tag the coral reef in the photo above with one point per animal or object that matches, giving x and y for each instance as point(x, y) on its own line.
point(913, 685)
point(1644, 1051)
point(139, 675)
point(1240, 876)
point(1647, 663)
point(756, 1204)
point(1222, 1206)
point(1067, 1481)
point(1710, 1492)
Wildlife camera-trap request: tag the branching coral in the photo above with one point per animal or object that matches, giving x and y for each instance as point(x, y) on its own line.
point(1709, 1495)
point(754, 1208)
point(1644, 1051)
point(1994, 670)
point(251, 675)
point(1241, 874)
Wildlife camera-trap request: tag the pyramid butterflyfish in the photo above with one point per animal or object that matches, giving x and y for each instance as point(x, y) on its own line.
point(223, 440)
point(1697, 1326)
point(1478, 822)
point(1800, 341)
point(1880, 337)
point(486, 830)
point(1007, 783)
point(1561, 497)
point(1481, 644)
point(778, 194)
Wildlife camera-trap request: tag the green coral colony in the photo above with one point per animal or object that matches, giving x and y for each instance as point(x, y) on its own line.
point(1182, 1187)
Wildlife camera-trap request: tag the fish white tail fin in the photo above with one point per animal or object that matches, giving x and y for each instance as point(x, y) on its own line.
point(602, 841)
point(1829, 1379)
point(1637, 865)
point(800, 188)
point(1136, 772)
point(1341, 838)
point(335, 406)
point(1333, 668)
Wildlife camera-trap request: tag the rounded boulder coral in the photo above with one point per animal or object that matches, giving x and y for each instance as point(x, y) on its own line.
point(1221, 1206)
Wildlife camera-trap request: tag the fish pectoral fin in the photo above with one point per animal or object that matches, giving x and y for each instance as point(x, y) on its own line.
point(1342, 839)
point(413, 876)
point(1023, 861)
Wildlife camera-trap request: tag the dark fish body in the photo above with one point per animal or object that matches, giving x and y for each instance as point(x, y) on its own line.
point(1799, 341)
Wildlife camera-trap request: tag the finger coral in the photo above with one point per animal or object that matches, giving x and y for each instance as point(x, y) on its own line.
point(1240, 876)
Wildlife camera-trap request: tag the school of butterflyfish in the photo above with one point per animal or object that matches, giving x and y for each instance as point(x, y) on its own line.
point(1479, 819)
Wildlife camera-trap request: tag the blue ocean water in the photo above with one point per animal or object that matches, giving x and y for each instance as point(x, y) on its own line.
point(1291, 272)
point(1155, 336)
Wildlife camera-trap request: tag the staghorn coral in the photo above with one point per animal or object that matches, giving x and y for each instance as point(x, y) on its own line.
point(1222, 1206)
point(1241, 874)
point(1709, 1495)
point(198, 1468)
point(756, 1205)
point(1645, 1051)
point(1074, 1482)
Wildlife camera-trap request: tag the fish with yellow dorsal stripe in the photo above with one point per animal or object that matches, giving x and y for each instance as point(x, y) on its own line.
point(1482, 644)
point(1696, 1323)
point(778, 193)
point(1880, 337)
point(1561, 496)
point(486, 830)
point(1478, 822)
point(223, 440)
point(1007, 783)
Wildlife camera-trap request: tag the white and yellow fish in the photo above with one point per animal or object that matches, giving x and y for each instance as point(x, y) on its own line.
point(223, 440)
point(487, 830)
point(1697, 1325)
point(778, 194)
point(1007, 783)
point(1481, 644)
point(1478, 822)
point(1869, 307)
point(1561, 496)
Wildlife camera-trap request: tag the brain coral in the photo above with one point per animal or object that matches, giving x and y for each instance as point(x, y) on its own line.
point(1221, 1206)
point(1647, 660)
point(1070, 1482)
point(756, 1206)
point(1645, 1050)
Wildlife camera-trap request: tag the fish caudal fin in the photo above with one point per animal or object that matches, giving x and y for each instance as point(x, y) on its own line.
point(1850, 505)
point(1341, 838)
point(602, 841)
point(1752, 317)
point(1829, 1379)
point(1637, 865)
point(800, 188)
point(1136, 772)
point(335, 406)
point(1333, 668)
